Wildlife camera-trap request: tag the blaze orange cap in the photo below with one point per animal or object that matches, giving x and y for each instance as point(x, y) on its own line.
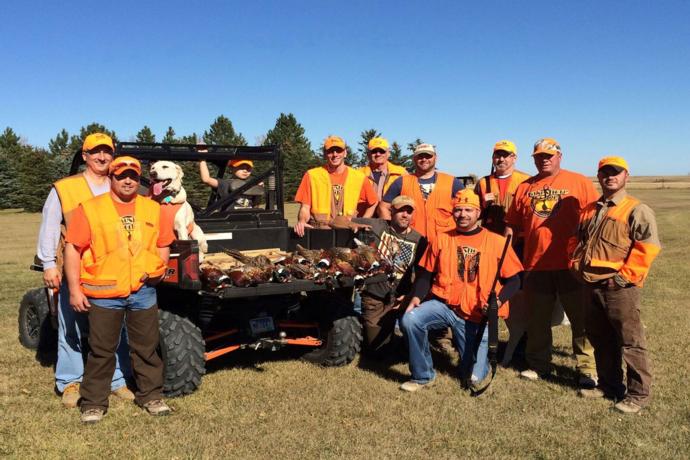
point(505, 146)
point(236, 163)
point(466, 197)
point(333, 141)
point(122, 164)
point(378, 143)
point(94, 140)
point(618, 162)
point(547, 145)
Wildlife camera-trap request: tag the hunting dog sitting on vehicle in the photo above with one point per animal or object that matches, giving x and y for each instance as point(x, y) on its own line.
point(166, 188)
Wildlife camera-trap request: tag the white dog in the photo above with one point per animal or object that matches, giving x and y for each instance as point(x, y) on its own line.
point(166, 188)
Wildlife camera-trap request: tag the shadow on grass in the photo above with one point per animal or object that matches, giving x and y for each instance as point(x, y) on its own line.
point(248, 359)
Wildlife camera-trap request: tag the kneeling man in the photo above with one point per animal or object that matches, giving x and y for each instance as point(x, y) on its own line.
point(464, 262)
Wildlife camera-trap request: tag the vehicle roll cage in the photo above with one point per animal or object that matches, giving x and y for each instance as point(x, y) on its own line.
point(219, 155)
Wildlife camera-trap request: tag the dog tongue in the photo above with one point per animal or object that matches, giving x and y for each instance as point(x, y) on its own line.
point(157, 188)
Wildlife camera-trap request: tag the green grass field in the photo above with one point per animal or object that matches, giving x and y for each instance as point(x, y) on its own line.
point(271, 406)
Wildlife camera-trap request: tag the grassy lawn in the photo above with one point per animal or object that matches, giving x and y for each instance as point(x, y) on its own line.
point(271, 406)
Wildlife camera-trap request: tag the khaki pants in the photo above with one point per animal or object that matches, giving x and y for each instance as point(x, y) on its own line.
point(542, 288)
point(105, 325)
point(615, 330)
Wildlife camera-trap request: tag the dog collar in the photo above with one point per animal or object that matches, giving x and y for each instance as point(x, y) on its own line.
point(167, 199)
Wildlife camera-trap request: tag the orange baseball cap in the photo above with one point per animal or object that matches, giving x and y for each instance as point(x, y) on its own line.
point(94, 140)
point(617, 162)
point(333, 141)
point(236, 163)
point(122, 164)
point(505, 146)
point(546, 145)
point(466, 197)
point(378, 143)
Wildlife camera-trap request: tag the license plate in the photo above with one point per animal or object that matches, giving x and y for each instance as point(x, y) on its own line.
point(261, 325)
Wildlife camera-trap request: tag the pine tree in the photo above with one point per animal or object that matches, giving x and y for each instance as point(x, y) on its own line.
point(399, 159)
point(35, 176)
point(9, 139)
point(10, 153)
point(169, 137)
point(61, 156)
point(222, 132)
point(146, 135)
point(298, 156)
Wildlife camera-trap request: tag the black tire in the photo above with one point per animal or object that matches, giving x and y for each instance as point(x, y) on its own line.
point(35, 329)
point(182, 350)
point(342, 341)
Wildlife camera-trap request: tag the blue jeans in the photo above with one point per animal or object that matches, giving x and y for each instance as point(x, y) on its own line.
point(434, 314)
point(143, 299)
point(69, 367)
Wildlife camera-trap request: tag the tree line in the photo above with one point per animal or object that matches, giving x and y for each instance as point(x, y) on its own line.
point(27, 172)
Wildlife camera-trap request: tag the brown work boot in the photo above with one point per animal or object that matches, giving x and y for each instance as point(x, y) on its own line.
point(70, 396)
point(157, 407)
point(627, 406)
point(123, 393)
point(91, 416)
point(590, 393)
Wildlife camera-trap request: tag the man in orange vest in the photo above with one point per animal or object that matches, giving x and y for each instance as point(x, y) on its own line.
point(431, 190)
point(63, 199)
point(617, 241)
point(381, 172)
point(332, 190)
point(497, 189)
point(463, 264)
point(116, 252)
point(546, 210)
point(495, 195)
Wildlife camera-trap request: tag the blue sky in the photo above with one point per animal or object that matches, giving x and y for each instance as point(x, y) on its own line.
point(601, 77)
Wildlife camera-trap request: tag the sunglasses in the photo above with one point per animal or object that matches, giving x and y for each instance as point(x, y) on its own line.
point(130, 173)
point(424, 156)
point(377, 152)
point(333, 150)
point(97, 150)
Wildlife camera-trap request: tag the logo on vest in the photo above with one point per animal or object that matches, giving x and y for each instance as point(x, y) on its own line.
point(545, 201)
point(468, 263)
point(128, 224)
point(337, 193)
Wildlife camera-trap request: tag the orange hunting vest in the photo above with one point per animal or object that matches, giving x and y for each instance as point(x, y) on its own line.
point(608, 249)
point(434, 215)
point(322, 193)
point(72, 191)
point(494, 212)
point(168, 212)
point(458, 294)
point(394, 171)
point(120, 252)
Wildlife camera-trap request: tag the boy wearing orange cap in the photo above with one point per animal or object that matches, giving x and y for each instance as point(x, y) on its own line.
point(241, 171)
point(616, 242)
point(463, 264)
point(115, 252)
